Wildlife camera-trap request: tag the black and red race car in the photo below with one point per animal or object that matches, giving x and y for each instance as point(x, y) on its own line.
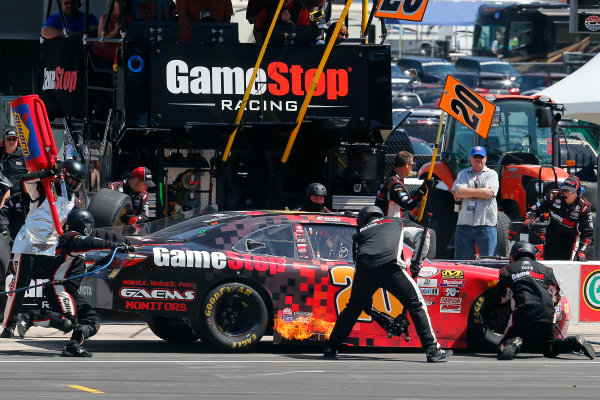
point(231, 277)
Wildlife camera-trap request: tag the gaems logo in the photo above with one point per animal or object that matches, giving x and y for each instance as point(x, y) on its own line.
point(157, 294)
point(280, 79)
point(59, 79)
point(189, 258)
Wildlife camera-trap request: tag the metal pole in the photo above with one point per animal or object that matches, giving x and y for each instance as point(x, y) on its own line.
point(433, 157)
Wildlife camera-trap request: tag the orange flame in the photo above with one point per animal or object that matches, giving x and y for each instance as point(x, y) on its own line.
point(300, 329)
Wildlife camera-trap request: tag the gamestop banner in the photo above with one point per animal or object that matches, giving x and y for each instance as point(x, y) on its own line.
point(187, 86)
point(63, 78)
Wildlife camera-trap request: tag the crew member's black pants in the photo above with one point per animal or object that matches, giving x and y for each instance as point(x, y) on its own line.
point(539, 338)
point(398, 282)
point(558, 247)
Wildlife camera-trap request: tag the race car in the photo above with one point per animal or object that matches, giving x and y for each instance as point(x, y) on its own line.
point(229, 278)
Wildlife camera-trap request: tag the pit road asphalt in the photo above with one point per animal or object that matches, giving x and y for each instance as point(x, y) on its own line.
point(129, 362)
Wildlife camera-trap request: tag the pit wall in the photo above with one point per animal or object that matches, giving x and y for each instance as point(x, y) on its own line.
point(580, 283)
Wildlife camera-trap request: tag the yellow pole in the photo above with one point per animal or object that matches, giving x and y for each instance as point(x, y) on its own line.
point(435, 150)
point(313, 85)
point(365, 17)
point(240, 112)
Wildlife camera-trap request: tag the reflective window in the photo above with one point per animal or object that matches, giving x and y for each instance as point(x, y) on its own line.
point(277, 240)
point(330, 242)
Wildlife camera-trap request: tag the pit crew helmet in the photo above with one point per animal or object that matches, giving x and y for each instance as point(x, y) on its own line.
point(522, 249)
point(74, 174)
point(316, 189)
point(80, 221)
point(366, 213)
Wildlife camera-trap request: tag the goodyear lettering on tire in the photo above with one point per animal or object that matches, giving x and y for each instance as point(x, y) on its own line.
point(477, 309)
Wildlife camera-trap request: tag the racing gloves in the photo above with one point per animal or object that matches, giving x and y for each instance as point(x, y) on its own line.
point(427, 185)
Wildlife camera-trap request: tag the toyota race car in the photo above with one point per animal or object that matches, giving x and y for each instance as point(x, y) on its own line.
point(229, 278)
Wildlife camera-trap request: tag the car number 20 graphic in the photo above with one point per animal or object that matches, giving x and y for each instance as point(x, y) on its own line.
point(409, 10)
point(467, 107)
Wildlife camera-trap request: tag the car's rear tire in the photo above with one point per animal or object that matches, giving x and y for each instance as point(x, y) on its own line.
point(503, 224)
point(108, 206)
point(487, 322)
point(173, 330)
point(233, 317)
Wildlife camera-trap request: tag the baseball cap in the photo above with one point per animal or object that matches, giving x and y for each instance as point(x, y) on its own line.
point(143, 174)
point(571, 184)
point(478, 150)
point(10, 132)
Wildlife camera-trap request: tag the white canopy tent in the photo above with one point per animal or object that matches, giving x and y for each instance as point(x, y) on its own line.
point(579, 92)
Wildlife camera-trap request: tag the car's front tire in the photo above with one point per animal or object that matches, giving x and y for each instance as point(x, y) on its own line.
point(233, 317)
point(487, 322)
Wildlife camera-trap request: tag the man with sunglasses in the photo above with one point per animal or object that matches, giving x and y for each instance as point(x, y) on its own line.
point(476, 187)
point(570, 214)
point(12, 163)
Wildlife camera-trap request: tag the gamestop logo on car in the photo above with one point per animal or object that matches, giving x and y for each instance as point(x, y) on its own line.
point(280, 79)
point(189, 258)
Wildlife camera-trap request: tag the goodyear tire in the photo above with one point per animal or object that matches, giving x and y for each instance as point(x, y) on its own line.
point(108, 206)
point(233, 317)
point(173, 330)
point(487, 322)
point(503, 225)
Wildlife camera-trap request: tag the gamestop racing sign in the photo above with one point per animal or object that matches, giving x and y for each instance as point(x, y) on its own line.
point(194, 88)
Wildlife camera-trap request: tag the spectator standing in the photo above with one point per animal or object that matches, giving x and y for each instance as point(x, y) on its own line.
point(191, 11)
point(74, 18)
point(292, 12)
point(570, 215)
point(476, 187)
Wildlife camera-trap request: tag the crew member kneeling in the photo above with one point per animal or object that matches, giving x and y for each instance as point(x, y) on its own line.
point(377, 250)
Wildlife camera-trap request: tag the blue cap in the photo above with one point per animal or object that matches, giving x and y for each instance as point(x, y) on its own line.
point(478, 150)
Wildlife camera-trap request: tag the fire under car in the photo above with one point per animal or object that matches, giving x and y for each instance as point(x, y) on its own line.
point(229, 278)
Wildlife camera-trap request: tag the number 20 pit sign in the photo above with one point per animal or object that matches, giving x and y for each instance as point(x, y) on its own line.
point(467, 107)
point(408, 10)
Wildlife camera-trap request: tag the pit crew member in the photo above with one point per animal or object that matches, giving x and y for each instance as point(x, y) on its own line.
point(136, 187)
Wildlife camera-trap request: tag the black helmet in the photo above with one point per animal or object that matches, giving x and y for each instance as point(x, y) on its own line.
point(366, 213)
point(316, 189)
point(75, 170)
point(80, 221)
point(522, 249)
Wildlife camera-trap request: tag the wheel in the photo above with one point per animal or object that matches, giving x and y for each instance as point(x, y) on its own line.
point(441, 204)
point(108, 206)
point(233, 317)
point(174, 330)
point(487, 321)
point(503, 225)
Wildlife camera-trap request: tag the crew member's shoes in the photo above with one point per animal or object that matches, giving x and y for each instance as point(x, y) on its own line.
point(438, 355)
point(509, 350)
point(23, 324)
point(8, 332)
point(329, 353)
point(74, 349)
point(585, 347)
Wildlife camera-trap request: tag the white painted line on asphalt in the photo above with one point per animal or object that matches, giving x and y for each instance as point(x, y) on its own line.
point(339, 361)
point(270, 374)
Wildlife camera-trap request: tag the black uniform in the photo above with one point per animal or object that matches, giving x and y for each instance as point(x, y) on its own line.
point(393, 196)
point(68, 308)
point(566, 222)
point(377, 252)
point(12, 214)
point(140, 203)
point(533, 293)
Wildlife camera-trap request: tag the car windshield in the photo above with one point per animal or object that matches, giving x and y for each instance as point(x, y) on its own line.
point(397, 71)
point(498, 67)
point(421, 147)
point(439, 68)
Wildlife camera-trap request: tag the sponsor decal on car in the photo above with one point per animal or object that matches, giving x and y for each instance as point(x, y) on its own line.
point(430, 283)
point(428, 272)
point(449, 273)
point(450, 308)
point(450, 300)
point(452, 282)
point(157, 294)
point(189, 258)
point(452, 292)
point(430, 291)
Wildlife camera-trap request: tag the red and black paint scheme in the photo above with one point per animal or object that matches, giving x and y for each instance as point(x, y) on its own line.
point(231, 277)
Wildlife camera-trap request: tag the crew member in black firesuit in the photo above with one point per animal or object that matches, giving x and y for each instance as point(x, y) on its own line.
point(12, 163)
point(136, 187)
point(393, 197)
point(376, 252)
point(315, 202)
point(533, 293)
point(570, 213)
point(68, 309)
point(36, 241)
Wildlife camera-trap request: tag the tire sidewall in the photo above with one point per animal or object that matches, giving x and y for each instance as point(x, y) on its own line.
point(212, 333)
point(480, 335)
